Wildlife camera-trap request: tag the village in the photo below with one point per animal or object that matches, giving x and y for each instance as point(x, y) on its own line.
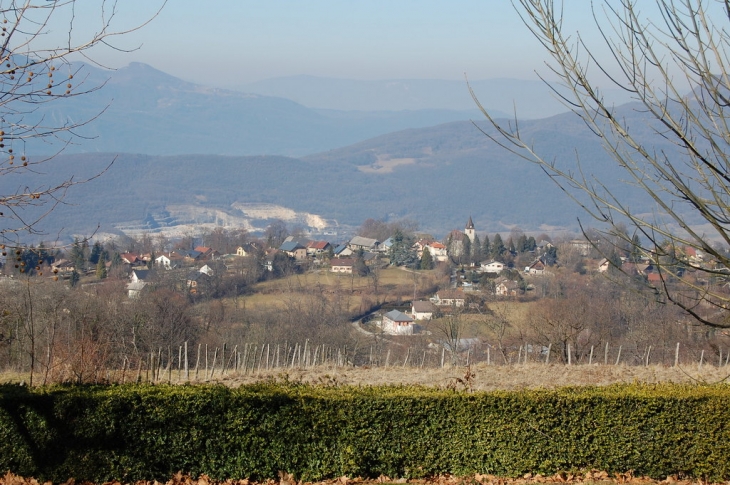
point(465, 271)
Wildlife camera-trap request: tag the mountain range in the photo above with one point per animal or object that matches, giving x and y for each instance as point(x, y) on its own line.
point(187, 157)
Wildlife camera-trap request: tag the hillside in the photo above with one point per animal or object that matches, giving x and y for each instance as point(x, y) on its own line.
point(142, 110)
point(438, 176)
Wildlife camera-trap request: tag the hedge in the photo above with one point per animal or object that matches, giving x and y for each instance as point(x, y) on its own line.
point(134, 432)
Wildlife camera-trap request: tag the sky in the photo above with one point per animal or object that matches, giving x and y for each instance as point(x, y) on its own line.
point(235, 42)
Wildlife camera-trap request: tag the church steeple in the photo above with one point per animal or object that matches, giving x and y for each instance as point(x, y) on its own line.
point(470, 231)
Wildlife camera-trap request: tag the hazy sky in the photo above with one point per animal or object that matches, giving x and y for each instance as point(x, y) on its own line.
point(230, 42)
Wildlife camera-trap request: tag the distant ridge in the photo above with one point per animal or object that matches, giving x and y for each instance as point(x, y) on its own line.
point(531, 99)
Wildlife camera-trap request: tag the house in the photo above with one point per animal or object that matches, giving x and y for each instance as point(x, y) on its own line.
point(131, 259)
point(205, 252)
point(269, 259)
point(342, 265)
point(365, 243)
point(455, 242)
point(536, 268)
point(438, 251)
point(62, 265)
point(491, 267)
point(694, 255)
point(134, 289)
point(248, 249)
point(294, 250)
point(317, 247)
point(581, 245)
point(397, 323)
point(138, 275)
point(603, 265)
point(343, 250)
point(507, 288)
point(654, 278)
point(190, 255)
point(197, 282)
point(449, 298)
point(422, 310)
point(165, 262)
point(207, 270)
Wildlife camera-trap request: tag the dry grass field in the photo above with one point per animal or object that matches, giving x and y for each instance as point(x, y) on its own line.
point(482, 377)
point(479, 377)
point(392, 284)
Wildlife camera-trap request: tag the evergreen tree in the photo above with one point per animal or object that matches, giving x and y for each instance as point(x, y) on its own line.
point(521, 244)
point(551, 256)
point(402, 252)
point(29, 258)
point(101, 267)
point(486, 248)
point(360, 267)
point(530, 244)
point(43, 254)
point(96, 251)
point(426, 259)
point(476, 250)
point(77, 255)
point(116, 260)
point(511, 246)
point(497, 248)
point(465, 256)
point(635, 252)
point(75, 277)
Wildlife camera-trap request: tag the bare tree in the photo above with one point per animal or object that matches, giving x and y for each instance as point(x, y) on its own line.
point(676, 67)
point(36, 69)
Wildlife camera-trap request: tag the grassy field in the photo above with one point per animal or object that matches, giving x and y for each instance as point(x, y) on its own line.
point(392, 284)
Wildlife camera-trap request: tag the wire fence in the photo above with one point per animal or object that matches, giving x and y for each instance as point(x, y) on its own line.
point(200, 363)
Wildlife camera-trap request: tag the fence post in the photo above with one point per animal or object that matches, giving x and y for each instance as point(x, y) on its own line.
point(547, 357)
point(590, 359)
point(212, 367)
point(618, 357)
point(569, 356)
point(702, 357)
point(197, 361)
point(261, 357)
point(605, 355)
point(676, 355)
point(187, 368)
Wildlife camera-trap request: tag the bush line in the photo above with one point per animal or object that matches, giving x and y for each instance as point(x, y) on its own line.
point(134, 432)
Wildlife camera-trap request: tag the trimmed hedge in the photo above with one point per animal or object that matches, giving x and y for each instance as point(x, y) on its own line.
point(150, 432)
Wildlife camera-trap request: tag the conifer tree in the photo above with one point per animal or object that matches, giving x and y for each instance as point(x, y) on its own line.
point(497, 247)
point(101, 267)
point(486, 248)
point(476, 250)
point(426, 260)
